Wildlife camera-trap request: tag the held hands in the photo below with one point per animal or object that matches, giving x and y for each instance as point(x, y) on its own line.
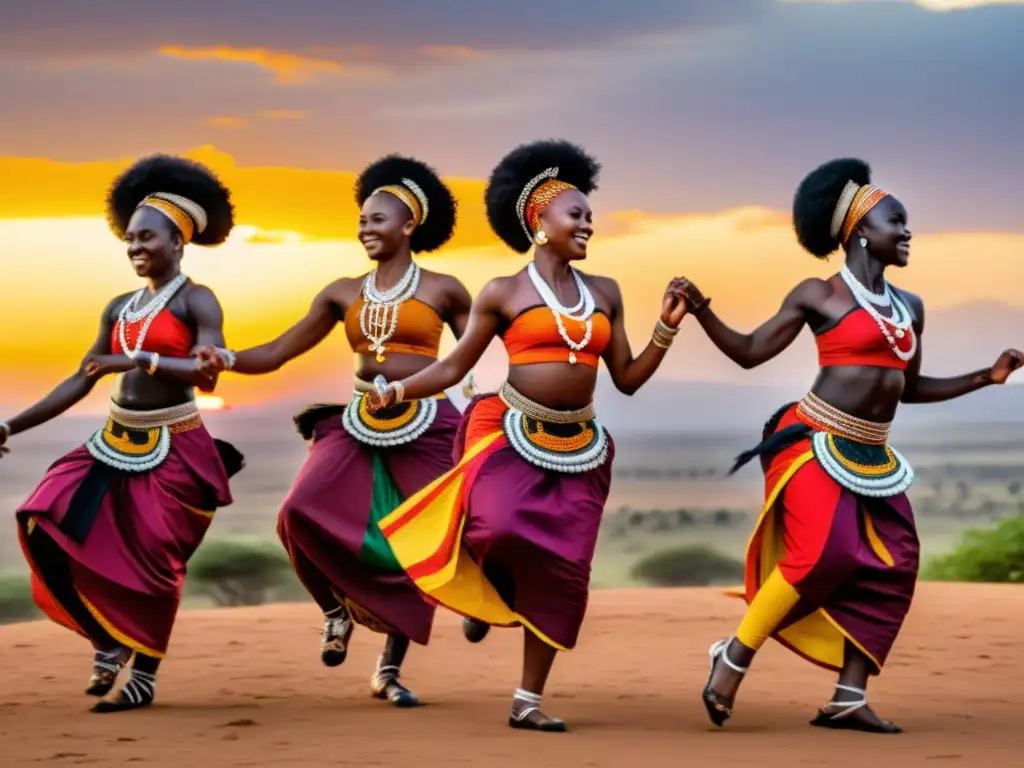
point(209, 361)
point(695, 300)
point(1008, 362)
point(673, 305)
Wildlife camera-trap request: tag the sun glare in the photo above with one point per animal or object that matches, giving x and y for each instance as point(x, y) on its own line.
point(210, 403)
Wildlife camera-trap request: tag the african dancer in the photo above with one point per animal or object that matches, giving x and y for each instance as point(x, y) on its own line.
point(362, 465)
point(109, 530)
point(833, 562)
point(507, 537)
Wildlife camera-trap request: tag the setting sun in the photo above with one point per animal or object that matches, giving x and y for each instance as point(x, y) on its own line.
point(210, 403)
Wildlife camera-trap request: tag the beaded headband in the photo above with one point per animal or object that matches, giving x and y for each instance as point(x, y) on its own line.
point(415, 202)
point(854, 204)
point(188, 216)
point(536, 196)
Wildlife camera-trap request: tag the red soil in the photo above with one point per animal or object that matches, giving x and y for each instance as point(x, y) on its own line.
point(245, 688)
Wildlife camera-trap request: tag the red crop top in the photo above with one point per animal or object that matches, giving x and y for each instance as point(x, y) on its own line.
point(533, 337)
point(857, 340)
point(167, 335)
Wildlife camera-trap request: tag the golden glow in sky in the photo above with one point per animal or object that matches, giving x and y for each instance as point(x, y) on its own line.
point(296, 234)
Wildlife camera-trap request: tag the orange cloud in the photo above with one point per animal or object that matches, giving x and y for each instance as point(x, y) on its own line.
point(288, 68)
point(286, 114)
point(226, 121)
point(317, 203)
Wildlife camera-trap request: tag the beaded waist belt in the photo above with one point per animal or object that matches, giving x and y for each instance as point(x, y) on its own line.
point(855, 452)
point(516, 400)
point(178, 418)
point(559, 441)
point(140, 441)
point(833, 420)
point(389, 427)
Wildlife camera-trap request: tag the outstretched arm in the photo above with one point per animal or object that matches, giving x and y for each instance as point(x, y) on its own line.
point(484, 316)
point(70, 391)
point(297, 340)
point(928, 389)
point(630, 373)
point(749, 350)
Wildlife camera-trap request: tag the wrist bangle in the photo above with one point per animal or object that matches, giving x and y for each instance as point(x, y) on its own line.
point(154, 361)
point(228, 357)
point(5, 429)
point(660, 327)
point(660, 344)
point(399, 389)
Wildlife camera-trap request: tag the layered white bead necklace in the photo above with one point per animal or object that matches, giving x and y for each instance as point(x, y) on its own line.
point(129, 314)
point(581, 312)
point(378, 318)
point(901, 320)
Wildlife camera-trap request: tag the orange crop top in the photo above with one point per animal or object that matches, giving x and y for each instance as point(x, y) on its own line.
point(418, 332)
point(857, 340)
point(167, 336)
point(533, 337)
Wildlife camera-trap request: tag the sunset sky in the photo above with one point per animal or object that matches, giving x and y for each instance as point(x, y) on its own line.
point(705, 114)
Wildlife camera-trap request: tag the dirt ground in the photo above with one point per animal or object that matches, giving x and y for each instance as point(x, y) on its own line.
point(245, 687)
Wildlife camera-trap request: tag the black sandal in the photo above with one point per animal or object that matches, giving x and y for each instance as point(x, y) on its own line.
point(717, 711)
point(384, 685)
point(137, 693)
point(334, 642)
point(519, 718)
point(106, 666)
point(836, 715)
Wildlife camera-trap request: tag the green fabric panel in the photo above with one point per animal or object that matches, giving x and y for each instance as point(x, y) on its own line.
point(376, 552)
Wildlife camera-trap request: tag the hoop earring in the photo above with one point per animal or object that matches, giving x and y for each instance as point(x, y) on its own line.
point(541, 237)
point(863, 242)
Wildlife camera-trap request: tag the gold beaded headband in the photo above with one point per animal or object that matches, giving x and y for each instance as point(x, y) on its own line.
point(537, 195)
point(410, 193)
point(188, 216)
point(854, 204)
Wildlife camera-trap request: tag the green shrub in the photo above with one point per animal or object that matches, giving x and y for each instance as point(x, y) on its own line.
point(16, 599)
point(240, 571)
point(686, 566)
point(994, 555)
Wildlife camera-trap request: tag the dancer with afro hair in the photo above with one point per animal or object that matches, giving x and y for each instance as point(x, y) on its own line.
point(361, 466)
point(833, 561)
point(109, 530)
point(507, 537)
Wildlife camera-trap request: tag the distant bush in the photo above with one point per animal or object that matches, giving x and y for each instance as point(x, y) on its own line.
point(239, 571)
point(16, 599)
point(994, 555)
point(686, 566)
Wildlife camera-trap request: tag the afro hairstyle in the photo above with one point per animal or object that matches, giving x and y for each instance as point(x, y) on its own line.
point(178, 176)
point(816, 199)
point(517, 168)
point(441, 207)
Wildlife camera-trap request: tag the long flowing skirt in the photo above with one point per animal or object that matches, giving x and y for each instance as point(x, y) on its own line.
point(852, 558)
point(328, 522)
point(123, 538)
point(500, 539)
